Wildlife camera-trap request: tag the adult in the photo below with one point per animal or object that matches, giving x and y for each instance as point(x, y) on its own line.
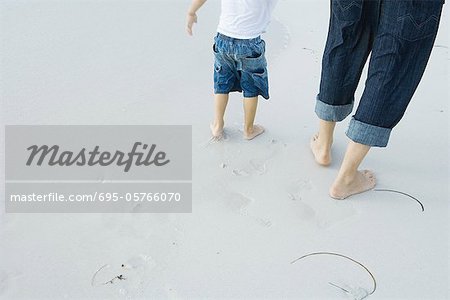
point(399, 35)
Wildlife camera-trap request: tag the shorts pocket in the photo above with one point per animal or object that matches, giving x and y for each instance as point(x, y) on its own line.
point(347, 10)
point(223, 78)
point(418, 19)
point(254, 63)
point(221, 73)
point(261, 83)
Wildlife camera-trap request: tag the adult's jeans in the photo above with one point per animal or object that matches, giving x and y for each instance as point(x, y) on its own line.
point(399, 36)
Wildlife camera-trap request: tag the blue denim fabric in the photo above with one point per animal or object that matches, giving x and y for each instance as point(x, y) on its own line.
point(240, 65)
point(400, 35)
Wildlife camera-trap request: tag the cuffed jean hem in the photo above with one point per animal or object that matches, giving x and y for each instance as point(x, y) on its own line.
point(332, 113)
point(366, 134)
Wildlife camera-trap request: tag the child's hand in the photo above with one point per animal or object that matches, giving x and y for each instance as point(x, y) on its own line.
point(190, 20)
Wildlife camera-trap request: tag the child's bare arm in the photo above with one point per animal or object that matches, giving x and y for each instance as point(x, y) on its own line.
point(192, 14)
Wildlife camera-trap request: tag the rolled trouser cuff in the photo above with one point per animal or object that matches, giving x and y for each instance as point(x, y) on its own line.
point(332, 113)
point(366, 134)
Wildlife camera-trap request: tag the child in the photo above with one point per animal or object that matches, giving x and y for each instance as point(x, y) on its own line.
point(240, 64)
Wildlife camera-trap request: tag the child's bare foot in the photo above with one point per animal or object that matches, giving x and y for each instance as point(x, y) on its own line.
point(253, 132)
point(217, 129)
point(360, 182)
point(321, 150)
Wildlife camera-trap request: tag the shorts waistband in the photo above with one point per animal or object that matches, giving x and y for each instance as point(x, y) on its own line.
point(227, 38)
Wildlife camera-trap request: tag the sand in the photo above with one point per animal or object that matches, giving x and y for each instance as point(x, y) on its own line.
point(257, 205)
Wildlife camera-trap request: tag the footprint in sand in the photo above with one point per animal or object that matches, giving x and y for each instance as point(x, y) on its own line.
point(263, 222)
point(295, 192)
point(258, 166)
point(254, 167)
point(304, 211)
point(297, 188)
point(239, 203)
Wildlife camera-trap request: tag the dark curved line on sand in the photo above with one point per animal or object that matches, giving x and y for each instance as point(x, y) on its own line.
point(346, 257)
point(402, 193)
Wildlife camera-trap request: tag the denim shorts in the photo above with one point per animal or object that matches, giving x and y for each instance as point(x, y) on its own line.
point(240, 66)
point(399, 36)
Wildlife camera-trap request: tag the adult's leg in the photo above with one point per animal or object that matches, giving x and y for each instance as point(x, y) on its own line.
point(400, 54)
point(350, 181)
point(349, 42)
point(322, 141)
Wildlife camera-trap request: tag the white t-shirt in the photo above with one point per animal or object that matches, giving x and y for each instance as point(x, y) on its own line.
point(245, 19)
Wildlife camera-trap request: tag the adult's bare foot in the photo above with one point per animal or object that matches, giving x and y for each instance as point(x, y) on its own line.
point(321, 150)
point(347, 186)
point(253, 132)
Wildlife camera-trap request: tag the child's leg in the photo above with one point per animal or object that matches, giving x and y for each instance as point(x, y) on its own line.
point(250, 129)
point(322, 141)
point(220, 105)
